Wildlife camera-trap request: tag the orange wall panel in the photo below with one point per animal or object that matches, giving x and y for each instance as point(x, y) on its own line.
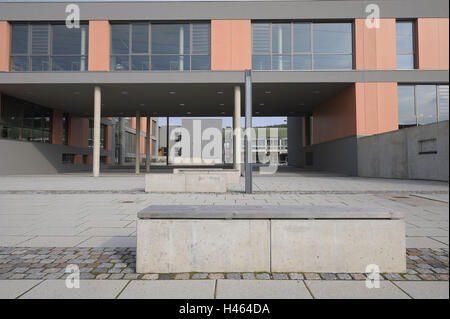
point(231, 45)
point(375, 48)
point(108, 138)
point(432, 43)
point(336, 118)
point(99, 45)
point(5, 32)
point(376, 107)
point(57, 127)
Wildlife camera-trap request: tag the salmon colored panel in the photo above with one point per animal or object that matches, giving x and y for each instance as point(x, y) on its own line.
point(5, 33)
point(433, 43)
point(230, 44)
point(78, 159)
point(133, 122)
point(57, 127)
point(99, 45)
point(108, 138)
point(336, 118)
point(143, 124)
point(376, 108)
point(142, 141)
point(78, 132)
point(375, 48)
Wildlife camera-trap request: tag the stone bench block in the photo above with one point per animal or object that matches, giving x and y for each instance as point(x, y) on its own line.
point(170, 246)
point(232, 176)
point(181, 183)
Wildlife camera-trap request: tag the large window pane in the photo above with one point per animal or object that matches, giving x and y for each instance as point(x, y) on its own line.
point(140, 63)
point(302, 37)
point(70, 41)
point(404, 34)
point(201, 62)
point(426, 104)
point(261, 62)
point(201, 38)
point(19, 63)
point(20, 39)
point(140, 38)
point(333, 62)
point(261, 38)
point(170, 39)
point(281, 38)
point(281, 62)
point(120, 38)
point(120, 63)
point(170, 62)
point(68, 63)
point(302, 62)
point(40, 39)
point(40, 63)
point(332, 37)
point(443, 102)
point(405, 61)
point(406, 110)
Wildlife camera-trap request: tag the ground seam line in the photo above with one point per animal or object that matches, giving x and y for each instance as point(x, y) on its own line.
point(120, 292)
point(309, 289)
point(29, 289)
point(401, 289)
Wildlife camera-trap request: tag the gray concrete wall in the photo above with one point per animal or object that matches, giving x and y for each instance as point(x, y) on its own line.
point(17, 157)
point(398, 154)
point(296, 156)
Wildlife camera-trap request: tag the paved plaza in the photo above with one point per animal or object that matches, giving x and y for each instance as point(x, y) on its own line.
point(49, 222)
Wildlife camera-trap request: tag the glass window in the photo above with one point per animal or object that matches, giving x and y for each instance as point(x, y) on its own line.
point(302, 46)
point(406, 108)
point(19, 38)
point(173, 47)
point(405, 44)
point(426, 104)
point(332, 37)
point(139, 38)
point(49, 47)
point(443, 102)
point(170, 39)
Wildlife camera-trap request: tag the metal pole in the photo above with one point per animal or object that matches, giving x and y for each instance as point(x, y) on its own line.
point(147, 145)
point(248, 130)
point(97, 119)
point(237, 129)
point(167, 142)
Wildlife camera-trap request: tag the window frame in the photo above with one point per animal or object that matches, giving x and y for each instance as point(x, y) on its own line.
point(414, 43)
point(311, 52)
point(149, 54)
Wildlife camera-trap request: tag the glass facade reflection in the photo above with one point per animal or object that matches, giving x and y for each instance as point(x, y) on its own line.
point(302, 46)
point(405, 44)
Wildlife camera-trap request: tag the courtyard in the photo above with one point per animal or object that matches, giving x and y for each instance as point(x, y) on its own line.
point(48, 222)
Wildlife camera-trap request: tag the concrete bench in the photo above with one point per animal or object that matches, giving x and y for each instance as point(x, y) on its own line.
point(185, 183)
point(232, 176)
point(292, 238)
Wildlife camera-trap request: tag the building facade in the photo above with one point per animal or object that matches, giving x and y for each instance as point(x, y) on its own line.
point(336, 73)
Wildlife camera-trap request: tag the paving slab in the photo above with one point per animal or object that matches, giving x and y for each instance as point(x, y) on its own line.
point(425, 289)
point(261, 289)
point(109, 241)
point(10, 289)
point(169, 289)
point(89, 289)
point(53, 241)
point(423, 242)
point(344, 289)
point(443, 240)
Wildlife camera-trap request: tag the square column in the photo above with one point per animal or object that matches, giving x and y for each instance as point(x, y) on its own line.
point(237, 129)
point(147, 145)
point(97, 119)
point(138, 142)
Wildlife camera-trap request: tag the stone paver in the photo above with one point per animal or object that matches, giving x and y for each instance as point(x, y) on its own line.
point(89, 289)
point(346, 289)
point(169, 289)
point(425, 289)
point(10, 289)
point(261, 289)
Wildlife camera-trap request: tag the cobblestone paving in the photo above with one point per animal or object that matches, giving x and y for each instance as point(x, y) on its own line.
point(120, 263)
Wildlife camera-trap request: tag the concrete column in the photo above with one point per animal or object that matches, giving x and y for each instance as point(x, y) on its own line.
point(248, 132)
point(147, 145)
point(237, 129)
point(97, 119)
point(138, 142)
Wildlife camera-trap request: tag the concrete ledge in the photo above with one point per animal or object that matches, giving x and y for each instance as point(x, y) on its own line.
point(181, 183)
point(263, 238)
point(232, 176)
